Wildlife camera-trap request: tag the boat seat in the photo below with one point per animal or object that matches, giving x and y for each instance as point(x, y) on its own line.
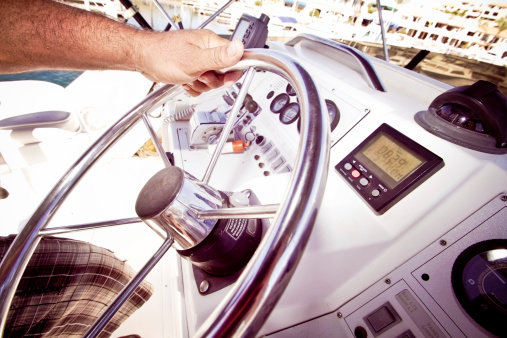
point(24, 127)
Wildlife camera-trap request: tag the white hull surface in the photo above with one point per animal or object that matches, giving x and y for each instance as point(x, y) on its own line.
point(356, 260)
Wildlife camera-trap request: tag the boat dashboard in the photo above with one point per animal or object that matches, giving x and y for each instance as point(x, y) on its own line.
point(404, 210)
point(410, 239)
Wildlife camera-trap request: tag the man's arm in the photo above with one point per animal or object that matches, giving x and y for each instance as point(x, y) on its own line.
point(44, 34)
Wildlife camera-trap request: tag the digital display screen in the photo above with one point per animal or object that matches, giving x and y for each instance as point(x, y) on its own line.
point(240, 30)
point(388, 159)
point(387, 166)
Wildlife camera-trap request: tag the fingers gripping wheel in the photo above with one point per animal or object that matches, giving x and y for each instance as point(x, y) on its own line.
point(218, 247)
point(267, 274)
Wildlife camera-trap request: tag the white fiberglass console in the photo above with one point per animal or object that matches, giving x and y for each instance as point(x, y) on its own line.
point(389, 269)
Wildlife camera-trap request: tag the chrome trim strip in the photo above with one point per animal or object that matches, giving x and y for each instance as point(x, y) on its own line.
point(367, 71)
point(256, 211)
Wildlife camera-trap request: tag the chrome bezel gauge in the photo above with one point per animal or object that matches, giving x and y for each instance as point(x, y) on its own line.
point(279, 103)
point(479, 281)
point(285, 118)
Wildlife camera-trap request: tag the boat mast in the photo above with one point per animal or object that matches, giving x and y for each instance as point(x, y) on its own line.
point(382, 30)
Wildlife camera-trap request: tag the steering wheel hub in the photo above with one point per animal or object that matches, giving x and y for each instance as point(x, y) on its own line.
point(169, 200)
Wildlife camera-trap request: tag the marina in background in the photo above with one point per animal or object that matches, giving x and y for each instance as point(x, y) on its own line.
point(466, 42)
point(355, 24)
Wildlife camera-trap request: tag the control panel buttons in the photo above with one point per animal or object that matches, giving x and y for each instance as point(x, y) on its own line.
point(266, 147)
point(272, 155)
point(278, 163)
point(285, 169)
point(406, 334)
point(364, 182)
point(355, 173)
point(382, 319)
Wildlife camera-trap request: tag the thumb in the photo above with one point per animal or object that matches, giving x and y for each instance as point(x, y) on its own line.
point(226, 55)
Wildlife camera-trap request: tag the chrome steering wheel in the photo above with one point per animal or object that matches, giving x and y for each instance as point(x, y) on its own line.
point(267, 274)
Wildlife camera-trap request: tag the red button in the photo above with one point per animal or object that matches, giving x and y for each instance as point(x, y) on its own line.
point(355, 173)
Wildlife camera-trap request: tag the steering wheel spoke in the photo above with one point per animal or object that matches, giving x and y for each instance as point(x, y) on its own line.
point(230, 123)
point(122, 297)
point(155, 140)
point(255, 211)
point(87, 226)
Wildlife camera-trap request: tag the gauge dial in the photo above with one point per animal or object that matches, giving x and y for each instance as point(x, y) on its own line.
point(279, 102)
point(290, 113)
point(479, 279)
point(334, 114)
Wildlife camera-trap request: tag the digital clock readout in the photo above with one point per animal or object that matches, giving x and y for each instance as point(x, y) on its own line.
point(391, 161)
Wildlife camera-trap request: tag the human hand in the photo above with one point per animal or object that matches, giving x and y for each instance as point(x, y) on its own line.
point(189, 57)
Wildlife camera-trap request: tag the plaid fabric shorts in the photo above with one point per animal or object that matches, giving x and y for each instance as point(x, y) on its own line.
point(66, 286)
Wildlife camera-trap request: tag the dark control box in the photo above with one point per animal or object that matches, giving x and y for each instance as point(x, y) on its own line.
point(252, 31)
point(387, 166)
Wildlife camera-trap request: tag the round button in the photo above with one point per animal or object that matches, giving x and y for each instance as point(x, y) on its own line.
point(364, 182)
point(360, 332)
point(355, 173)
point(375, 193)
point(347, 166)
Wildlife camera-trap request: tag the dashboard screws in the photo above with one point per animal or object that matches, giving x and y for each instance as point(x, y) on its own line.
point(443, 242)
point(204, 286)
point(387, 281)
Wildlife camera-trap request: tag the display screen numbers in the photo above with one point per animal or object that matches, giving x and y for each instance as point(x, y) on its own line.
point(388, 159)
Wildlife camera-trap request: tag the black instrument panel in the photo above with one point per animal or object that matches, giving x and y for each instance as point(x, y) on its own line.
point(387, 166)
point(252, 31)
